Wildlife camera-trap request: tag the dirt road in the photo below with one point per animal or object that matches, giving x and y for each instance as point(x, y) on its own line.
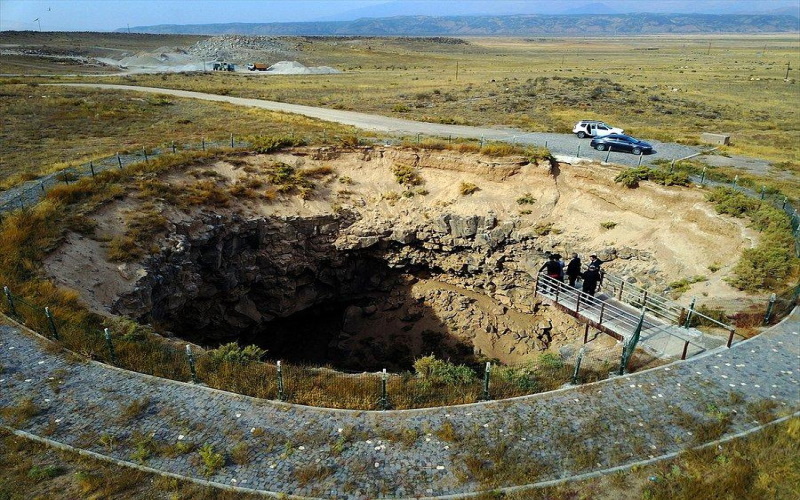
point(561, 145)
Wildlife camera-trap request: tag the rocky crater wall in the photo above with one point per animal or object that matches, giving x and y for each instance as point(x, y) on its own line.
point(324, 287)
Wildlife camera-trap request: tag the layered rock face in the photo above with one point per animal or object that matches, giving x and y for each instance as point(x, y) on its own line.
point(357, 289)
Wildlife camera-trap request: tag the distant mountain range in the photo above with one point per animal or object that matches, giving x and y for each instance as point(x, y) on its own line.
point(512, 25)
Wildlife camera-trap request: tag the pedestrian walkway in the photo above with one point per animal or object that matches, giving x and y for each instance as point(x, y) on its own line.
point(281, 448)
point(661, 325)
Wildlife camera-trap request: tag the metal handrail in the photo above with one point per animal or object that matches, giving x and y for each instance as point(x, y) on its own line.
point(566, 296)
point(629, 293)
point(583, 301)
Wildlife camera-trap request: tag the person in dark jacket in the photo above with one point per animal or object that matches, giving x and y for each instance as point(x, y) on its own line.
point(573, 269)
point(591, 277)
point(595, 261)
point(552, 268)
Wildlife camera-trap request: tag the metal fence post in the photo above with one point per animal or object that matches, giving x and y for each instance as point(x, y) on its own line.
point(119, 161)
point(192, 368)
point(486, 396)
point(384, 399)
point(630, 346)
point(204, 143)
point(579, 151)
point(578, 365)
point(231, 140)
point(91, 168)
point(763, 190)
point(703, 176)
point(280, 382)
point(173, 146)
point(10, 301)
point(640, 160)
point(51, 323)
point(144, 150)
point(110, 346)
point(772, 299)
point(689, 314)
point(608, 154)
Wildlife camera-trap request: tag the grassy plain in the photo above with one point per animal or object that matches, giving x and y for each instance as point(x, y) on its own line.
point(667, 88)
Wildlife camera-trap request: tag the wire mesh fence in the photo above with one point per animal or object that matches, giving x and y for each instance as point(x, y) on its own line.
point(314, 386)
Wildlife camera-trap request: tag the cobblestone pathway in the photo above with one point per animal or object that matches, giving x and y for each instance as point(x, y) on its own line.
point(326, 453)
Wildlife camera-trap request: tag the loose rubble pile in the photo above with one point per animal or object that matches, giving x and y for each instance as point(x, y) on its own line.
point(243, 49)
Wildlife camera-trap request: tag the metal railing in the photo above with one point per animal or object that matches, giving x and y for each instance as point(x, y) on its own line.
point(601, 313)
point(624, 319)
point(628, 293)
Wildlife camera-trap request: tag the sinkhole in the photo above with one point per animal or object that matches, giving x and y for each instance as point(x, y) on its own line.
point(286, 285)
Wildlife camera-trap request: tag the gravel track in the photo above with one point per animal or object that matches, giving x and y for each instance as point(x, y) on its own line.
point(561, 145)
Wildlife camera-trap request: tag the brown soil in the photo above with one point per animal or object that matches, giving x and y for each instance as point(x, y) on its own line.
point(662, 234)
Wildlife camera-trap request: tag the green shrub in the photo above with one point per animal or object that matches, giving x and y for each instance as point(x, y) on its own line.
point(467, 188)
point(438, 371)
point(772, 262)
point(41, 472)
point(608, 225)
point(232, 353)
point(731, 202)
point(682, 285)
point(407, 175)
point(550, 360)
point(630, 178)
point(212, 461)
point(521, 376)
point(544, 228)
point(526, 199)
point(270, 144)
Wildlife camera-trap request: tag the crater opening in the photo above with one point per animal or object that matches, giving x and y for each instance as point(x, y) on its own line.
point(286, 285)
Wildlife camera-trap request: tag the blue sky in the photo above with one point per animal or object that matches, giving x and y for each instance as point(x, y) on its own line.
point(108, 15)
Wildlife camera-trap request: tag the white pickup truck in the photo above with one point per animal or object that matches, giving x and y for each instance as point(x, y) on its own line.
point(594, 128)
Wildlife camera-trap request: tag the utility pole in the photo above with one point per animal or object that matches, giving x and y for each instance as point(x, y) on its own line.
point(457, 71)
point(788, 67)
point(40, 24)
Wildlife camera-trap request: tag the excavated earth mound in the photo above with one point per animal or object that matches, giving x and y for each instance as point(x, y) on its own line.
point(321, 255)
